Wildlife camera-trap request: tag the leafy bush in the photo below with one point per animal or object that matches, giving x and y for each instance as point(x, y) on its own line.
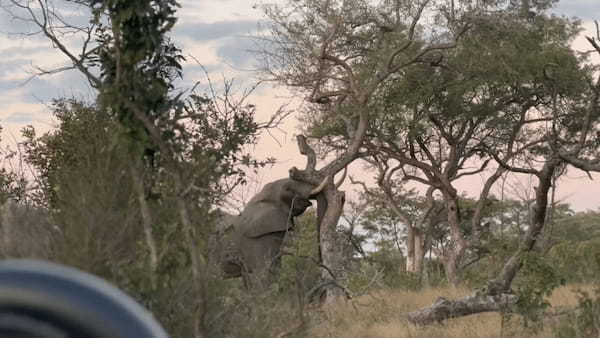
point(536, 282)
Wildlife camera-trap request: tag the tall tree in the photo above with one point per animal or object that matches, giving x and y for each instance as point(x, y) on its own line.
point(437, 123)
point(341, 55)
point(557, 118)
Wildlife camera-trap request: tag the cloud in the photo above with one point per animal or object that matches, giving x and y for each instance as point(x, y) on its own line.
point(213, 31)
point(15, 115)
point(239, 52)
point(14, 26)
point(9, 97)
point(583, 9)
point(19, 48)
point(211, 11)
point(19, 118)
point(194, 52)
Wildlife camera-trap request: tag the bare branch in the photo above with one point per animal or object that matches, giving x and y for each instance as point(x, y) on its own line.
point(585, 165)
point(306, 150)
point(48, 27)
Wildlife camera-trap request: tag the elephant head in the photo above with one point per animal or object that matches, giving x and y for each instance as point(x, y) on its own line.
point(261, 227)
point(273, 208)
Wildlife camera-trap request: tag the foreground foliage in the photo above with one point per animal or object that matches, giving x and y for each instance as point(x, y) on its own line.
point(126, 186)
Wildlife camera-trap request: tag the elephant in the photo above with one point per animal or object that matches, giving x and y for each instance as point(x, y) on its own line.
point(253, 239)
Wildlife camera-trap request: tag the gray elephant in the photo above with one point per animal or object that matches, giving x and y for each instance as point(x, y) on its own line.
point(253, 240)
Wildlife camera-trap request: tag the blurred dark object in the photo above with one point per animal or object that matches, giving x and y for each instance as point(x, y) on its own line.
point(41, 299)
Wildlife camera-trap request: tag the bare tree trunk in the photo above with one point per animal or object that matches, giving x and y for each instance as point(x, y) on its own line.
point(419, 251)
point(198, 264)
point(331, 250)
point(451, 267)
point(457, 246)
point(444, 309)
point(146, 224)
point(410, 249)
point(414, 250)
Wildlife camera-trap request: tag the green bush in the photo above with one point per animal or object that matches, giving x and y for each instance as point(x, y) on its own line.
point(537, 279)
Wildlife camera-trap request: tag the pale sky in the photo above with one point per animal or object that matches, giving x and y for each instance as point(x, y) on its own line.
point(216, 33)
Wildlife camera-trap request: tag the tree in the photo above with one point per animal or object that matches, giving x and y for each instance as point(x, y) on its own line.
point(557, 120)
point(435, 125)
point(341, 54)
point(393, 205)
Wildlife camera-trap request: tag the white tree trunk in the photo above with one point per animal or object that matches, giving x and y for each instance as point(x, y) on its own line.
point(414, 252)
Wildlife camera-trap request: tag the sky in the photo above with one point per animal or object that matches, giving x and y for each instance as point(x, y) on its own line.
point(216, 33)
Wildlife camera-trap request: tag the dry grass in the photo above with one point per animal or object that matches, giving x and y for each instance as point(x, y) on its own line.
point(380, 315)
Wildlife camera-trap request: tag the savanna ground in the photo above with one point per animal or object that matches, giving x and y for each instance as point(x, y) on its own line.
point(380, 314)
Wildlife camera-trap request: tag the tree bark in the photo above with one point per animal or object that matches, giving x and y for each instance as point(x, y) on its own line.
point(198, 263)
point(457, 246)
point(419, 251)
point(415, 251)
point(329, 243)
point(146, 224)
point(444, 309)
point(410, 249)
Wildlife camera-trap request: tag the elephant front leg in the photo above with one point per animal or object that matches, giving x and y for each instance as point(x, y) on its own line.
point(263, 259)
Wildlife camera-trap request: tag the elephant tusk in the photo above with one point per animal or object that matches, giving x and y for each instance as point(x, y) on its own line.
point(339, 183)
point(319, 188)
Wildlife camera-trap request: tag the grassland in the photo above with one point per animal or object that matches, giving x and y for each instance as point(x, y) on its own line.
point(380, 315)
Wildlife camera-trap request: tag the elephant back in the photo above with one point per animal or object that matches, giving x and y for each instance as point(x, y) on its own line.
point(259, 219)
point(270, 193)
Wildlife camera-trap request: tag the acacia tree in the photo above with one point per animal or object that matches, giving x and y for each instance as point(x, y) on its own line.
point(439, 120)
point(340, 54)
point(418, 216)
point(563, 122)
point(435, 135)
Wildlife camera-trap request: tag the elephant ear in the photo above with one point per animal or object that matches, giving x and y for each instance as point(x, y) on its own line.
point(263, 218)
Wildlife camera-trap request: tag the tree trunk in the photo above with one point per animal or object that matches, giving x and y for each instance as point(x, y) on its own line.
point(496, 295)
point(444, 309)
point(414, 252)
point(198, 264)
point(146, 223)
point(457, 246)
point(410, 249)
point(330, 203)
point(330, 249)
point(419, 251)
